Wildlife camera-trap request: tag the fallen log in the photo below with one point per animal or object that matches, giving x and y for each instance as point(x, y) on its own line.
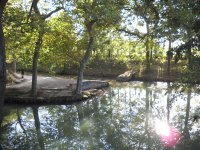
point(126, 76)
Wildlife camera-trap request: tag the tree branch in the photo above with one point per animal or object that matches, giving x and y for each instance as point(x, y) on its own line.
point(139, 35)
point(52, 12)
point(33, 6)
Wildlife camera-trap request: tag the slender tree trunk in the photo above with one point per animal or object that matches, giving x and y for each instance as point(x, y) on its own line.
point(109, 55)
point(14, 66)
point(151, 50)
point(147, 50)
point(169, 58)
point(35, 61)
point(147, 57)
point(83, 65)
point(37, 126)
point(2, 60)
point(189, 58)
point(38, 44)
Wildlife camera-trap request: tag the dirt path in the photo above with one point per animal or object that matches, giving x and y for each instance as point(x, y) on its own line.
point(44, 82)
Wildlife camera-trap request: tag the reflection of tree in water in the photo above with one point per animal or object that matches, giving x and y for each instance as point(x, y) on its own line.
point(18, 133)
point(62, 121)
point(1, 115)
point(37, 127)
point(186, 130)
point(24, 130)
point(1, 118)
point(190, 133)
point(85, 125)
point(169, 101)
point(122, 119)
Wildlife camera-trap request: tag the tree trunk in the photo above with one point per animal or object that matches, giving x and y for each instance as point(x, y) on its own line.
point(35, 61)
point(83, 65)
point(38, 43)
point(151, 50)
point(14, 66)
point(147, 70)
point(189, 58)
point(169, 58)
point(109, 55)
point(2, 61)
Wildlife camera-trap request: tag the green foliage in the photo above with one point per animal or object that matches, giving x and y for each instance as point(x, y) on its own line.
point(59, 45)
point(103, 13)
point(19, 35)
point(66, 34)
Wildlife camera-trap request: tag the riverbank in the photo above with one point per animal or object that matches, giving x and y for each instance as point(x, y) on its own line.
point(52, 90)
point(61, 89)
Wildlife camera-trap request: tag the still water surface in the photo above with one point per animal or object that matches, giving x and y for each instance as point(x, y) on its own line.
point(129, 116)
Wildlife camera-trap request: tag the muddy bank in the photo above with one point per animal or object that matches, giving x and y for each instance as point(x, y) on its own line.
point(64, 99)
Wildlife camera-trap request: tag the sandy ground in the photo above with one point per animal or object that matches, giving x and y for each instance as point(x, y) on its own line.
point(49, 88)
point(44, 82)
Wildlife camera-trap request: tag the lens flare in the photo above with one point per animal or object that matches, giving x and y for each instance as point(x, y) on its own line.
point(169, 136)
point(162, 128)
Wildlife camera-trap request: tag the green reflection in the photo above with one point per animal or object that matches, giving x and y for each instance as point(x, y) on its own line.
point(123, 118)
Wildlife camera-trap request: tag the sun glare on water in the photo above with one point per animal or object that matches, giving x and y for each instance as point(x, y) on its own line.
point(162, 128)
point(169, 136)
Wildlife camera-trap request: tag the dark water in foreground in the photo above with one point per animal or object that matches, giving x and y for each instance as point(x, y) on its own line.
point(129, 116)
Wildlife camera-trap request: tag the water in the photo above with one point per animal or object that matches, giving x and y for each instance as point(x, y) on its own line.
point(128, 116)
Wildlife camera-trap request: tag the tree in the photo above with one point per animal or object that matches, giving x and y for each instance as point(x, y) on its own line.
point(147, 15)
point(97, 15)
point(18, 36)
point(60, 44)
point(168, 28)
point(181, 20)
point(41, 22)
point(89, 26)
point(2, 60)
